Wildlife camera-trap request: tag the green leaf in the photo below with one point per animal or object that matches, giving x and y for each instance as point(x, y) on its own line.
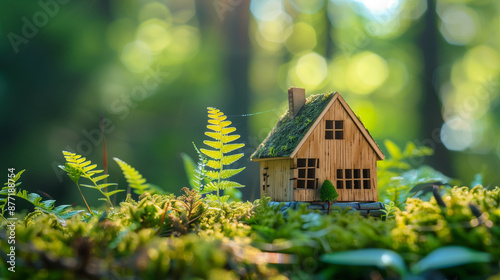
point(211, 154)
point(234, 194)
point(214, 164)
point(99, 187)
point(224, 124)
point(224, 185)
point(213, 144)
point(368, 257)
point(114, 192)
point(214, 127)
point(189, 168)
point(102, 177)
point(210, 187)
point(450, 256)
point(226, 160)
point(229, 138)
point(422, 175)
point(228, 173)
point(393, 150)
point(228, 130)
point(231, 147)
point(213, 135)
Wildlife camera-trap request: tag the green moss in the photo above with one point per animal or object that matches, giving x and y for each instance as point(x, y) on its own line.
point(287, 133)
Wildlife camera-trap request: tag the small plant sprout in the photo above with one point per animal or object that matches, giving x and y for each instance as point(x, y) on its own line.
point(77, 166)
point(328, 193)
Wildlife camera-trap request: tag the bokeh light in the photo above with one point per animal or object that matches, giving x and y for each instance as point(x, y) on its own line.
point(366, 72)
point(458, 24)
point(137, 56)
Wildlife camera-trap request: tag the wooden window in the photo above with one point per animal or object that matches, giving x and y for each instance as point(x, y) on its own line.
point(334, 129)
point(306, 173)
point(340, 184)
point(353, 179)
point(366, 179)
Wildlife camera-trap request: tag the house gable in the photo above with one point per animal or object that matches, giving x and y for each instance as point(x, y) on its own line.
point(353, 117)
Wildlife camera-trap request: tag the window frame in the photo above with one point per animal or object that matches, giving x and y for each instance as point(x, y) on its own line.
point(334, 129)
point(306, 174)
point(353, 178)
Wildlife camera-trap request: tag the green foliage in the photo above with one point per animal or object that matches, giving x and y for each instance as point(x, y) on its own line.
point(207, 238)
point(328, 191)
point(77, 166)
point(397, 180)
point(134, 178)
point(444, 257)
point(196, 173)
point(60, 212)
point(220, 156)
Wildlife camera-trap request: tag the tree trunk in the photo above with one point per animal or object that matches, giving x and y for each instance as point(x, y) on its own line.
point(430, 108)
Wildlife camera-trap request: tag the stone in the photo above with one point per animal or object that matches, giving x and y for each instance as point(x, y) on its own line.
point(376, 213)
point(371, 206)
point(343, 205)
point(317, 206)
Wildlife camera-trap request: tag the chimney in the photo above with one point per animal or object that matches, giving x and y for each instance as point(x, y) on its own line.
point(296, 99)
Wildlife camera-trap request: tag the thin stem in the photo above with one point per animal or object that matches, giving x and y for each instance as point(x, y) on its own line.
point(90, 211)
point(220, 168)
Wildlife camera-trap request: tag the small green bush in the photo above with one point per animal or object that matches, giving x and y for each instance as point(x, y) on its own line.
point(328, 193)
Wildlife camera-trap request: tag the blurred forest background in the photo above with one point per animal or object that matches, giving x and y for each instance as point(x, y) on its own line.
point(414, 70)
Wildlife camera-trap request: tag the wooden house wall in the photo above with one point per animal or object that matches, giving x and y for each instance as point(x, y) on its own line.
point(279, 173)
point(353, 152)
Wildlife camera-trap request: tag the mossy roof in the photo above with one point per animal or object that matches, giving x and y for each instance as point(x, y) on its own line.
point(287, 133)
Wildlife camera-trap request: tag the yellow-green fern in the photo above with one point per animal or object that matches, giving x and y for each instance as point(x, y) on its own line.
point(77, 166)
point(134, 178)
point(219, 157)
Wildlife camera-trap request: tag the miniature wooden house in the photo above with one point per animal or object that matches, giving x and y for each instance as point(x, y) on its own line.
point(318, 138)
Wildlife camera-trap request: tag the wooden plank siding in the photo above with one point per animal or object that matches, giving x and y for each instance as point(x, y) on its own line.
point(279, 174)
point(352, 152)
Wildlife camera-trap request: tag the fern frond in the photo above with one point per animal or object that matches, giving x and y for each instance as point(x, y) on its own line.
point(134, 178)
point(200, 172)
point(219, 156)
point(78, 166)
